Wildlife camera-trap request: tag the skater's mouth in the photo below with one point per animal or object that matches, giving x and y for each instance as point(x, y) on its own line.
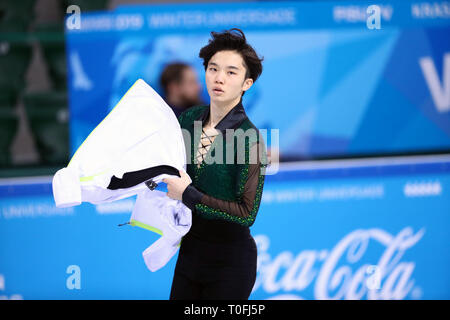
point(217, 90)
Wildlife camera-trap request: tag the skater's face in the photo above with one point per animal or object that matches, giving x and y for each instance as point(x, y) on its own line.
point(225, 76)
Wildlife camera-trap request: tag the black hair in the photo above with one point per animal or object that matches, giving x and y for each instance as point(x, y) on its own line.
point(229, 40)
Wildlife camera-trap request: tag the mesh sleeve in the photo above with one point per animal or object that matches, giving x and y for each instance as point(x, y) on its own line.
point(251, 180)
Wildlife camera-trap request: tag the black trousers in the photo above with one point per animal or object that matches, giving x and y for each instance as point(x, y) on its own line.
point(208, 270)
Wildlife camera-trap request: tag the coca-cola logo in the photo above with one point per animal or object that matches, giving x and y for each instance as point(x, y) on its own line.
point(336, 274)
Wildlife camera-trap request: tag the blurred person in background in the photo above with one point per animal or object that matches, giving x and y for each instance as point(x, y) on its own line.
point(181, 87)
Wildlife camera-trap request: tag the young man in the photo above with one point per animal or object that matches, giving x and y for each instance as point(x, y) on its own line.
point(217, 258)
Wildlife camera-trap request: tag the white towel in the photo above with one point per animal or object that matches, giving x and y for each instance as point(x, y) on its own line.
point(66, 187)
point(167, 217)
point(140, 132)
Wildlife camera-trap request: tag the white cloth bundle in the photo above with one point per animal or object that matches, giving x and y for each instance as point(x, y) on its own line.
point(152, 211)
point(141, 132)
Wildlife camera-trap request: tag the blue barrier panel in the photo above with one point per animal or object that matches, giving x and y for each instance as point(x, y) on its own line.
point(333, 83)
point(360, 229)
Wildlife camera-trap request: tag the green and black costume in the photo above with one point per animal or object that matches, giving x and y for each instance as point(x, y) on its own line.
point(217, 258)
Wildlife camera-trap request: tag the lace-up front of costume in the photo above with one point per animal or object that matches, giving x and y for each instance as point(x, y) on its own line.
point(224, 192)
point(206, 140)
